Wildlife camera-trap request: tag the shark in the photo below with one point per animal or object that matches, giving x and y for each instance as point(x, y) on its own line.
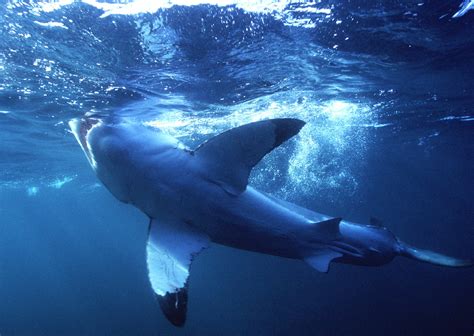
point(465, 7)
point(193, 197)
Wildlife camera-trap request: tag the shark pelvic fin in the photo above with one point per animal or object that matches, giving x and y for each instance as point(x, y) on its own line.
point(229, 157)
point(321, 259)
point(171, 247)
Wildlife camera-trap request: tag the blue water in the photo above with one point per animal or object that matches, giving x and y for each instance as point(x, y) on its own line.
point(387, 90)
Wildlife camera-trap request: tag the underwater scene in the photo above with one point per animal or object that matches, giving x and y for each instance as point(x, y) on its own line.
point(314, 160)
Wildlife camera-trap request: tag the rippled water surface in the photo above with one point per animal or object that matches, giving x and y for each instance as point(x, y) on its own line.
point(386, 89)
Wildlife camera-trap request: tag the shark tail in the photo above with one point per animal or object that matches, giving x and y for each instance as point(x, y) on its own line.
point(432, 257)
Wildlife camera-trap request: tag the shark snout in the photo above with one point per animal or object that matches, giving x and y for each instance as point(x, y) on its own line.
point(81, 128)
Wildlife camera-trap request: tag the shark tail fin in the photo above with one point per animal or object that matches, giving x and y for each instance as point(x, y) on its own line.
point(432, 257)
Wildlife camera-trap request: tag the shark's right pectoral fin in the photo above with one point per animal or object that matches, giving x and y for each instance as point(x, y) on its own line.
point(172, 245)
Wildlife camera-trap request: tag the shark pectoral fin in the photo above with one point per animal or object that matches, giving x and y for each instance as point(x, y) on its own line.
point(229, 157)
point(171, 247)
point(321, 259)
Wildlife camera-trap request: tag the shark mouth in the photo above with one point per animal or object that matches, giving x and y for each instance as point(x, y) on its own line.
point(81, 128)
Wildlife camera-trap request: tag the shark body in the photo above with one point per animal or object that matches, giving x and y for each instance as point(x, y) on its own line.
point(193, 197)
point(465, 7)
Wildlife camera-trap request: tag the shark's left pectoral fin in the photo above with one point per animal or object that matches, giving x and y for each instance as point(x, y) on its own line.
point(172, 245)
point(321, 259)
point(229, 157)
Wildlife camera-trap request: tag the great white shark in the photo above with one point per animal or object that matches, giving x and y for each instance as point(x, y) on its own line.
point(194, 197)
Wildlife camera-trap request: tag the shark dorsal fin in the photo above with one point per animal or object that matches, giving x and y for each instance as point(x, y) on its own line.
point(331, 225)
point(229, 157)
point(327, 229)
point(376, 222)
